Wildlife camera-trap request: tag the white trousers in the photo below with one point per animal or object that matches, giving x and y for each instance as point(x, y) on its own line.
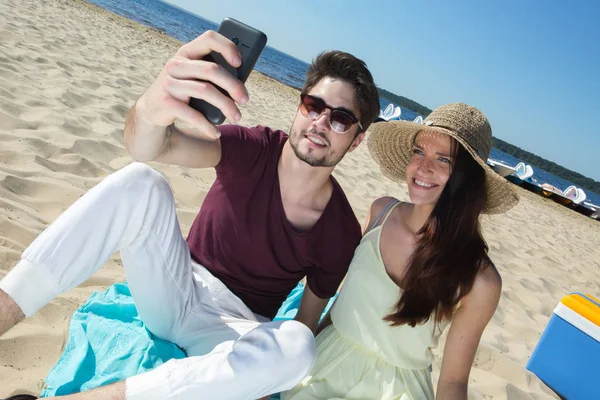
point(232, 353)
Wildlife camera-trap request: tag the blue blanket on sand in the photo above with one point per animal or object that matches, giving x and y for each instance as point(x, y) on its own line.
point(108, 342)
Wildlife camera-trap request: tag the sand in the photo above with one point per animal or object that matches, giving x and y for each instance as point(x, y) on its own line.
point(69, 72)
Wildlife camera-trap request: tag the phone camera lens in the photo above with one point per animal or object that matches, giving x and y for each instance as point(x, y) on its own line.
point(236, 41)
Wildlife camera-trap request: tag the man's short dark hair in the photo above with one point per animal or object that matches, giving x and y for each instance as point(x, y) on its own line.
point(344, 66)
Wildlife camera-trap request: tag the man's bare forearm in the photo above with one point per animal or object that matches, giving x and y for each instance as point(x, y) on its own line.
point(10, 313)
point(115, 391)
point(143, 139)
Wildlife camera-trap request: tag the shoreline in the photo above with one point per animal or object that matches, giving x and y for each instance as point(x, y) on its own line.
point(162, 35)
point(158, 33)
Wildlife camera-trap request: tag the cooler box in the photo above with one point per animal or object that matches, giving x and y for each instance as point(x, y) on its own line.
point(567, 356)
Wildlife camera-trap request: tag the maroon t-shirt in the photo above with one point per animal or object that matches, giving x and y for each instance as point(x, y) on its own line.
point(241, 234)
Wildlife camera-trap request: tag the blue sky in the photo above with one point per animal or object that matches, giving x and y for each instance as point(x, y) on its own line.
point(533, 67)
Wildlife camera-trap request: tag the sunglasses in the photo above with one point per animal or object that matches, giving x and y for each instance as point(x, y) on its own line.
point(340, 120)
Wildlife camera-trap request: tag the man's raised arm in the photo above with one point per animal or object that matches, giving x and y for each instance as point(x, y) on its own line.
point(150, 133)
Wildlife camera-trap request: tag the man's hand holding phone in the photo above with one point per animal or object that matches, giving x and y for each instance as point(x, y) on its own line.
point(187, 76)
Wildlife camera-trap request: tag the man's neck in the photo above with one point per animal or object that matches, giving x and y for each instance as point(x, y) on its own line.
point(299, 182)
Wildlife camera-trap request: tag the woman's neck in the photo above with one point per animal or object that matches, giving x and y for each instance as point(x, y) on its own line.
point(418, 215)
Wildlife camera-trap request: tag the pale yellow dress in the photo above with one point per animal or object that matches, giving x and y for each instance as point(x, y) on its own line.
point(360, 356)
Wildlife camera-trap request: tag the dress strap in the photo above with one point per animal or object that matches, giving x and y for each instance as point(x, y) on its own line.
point(389, 212)
point(385, 213)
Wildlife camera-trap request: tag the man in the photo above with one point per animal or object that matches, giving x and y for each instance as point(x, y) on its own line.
point(273, 216)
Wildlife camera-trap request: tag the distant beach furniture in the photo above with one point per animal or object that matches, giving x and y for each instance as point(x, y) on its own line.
point(546, 192)
point(574, 198)
point(579, 203)
point(391, 112)
point(596, 210)
point(522, 175)
point(577, 194)
point(501, 168)
point(523, 170)
point(418, 120)
point(558, 195)
point(588, 209)
point(572, 194)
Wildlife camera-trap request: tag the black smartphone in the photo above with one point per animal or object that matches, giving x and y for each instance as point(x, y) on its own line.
point(250, 43)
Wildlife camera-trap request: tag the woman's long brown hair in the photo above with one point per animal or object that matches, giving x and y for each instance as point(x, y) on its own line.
point(450, 250)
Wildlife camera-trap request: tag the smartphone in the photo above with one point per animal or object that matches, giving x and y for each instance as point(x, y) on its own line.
point(250, 43)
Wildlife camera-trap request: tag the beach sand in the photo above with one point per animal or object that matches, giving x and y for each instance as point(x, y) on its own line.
point(70, 71)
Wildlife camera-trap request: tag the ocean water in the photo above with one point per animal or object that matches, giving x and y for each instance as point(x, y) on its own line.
point(282, 67)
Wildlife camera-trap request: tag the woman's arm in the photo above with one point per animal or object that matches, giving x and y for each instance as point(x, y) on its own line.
point(473, 315)
point(325, 322)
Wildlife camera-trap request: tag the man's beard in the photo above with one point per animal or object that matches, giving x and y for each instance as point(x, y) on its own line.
point(326, 160)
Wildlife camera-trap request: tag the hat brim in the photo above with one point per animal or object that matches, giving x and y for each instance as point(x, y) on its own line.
point(390, 145)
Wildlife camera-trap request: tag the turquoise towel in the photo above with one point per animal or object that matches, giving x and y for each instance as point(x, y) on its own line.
point(108, 342)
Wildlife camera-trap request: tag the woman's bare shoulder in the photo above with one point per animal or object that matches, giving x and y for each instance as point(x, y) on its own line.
point(487, 287)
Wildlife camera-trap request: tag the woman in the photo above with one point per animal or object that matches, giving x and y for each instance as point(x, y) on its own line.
point(420, 266)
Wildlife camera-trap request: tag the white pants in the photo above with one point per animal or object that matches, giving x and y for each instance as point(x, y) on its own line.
point(232, 353)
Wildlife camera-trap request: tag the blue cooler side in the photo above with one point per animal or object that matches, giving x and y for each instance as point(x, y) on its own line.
point(567, 360)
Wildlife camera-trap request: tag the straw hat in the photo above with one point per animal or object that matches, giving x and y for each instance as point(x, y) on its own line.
point(390, 144)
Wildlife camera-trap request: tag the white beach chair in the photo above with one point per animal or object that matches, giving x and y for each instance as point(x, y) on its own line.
point(523, 170)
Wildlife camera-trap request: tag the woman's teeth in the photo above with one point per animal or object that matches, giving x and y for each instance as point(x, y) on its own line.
point(424, 184)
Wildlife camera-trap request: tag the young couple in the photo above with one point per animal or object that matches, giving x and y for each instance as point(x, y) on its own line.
point(273, 216)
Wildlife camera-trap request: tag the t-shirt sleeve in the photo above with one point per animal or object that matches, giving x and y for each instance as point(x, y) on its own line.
point(325, 280)
point(241, 148)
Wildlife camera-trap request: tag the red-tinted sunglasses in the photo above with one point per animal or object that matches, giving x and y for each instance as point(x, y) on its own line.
point(340, 119)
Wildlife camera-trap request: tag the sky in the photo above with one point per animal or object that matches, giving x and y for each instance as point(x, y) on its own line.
point(533, 66)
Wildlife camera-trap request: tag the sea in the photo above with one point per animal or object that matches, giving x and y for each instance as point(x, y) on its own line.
point(185, 26)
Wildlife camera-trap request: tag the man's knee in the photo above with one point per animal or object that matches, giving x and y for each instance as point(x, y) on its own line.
point(138, 172)
point(141, 180)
